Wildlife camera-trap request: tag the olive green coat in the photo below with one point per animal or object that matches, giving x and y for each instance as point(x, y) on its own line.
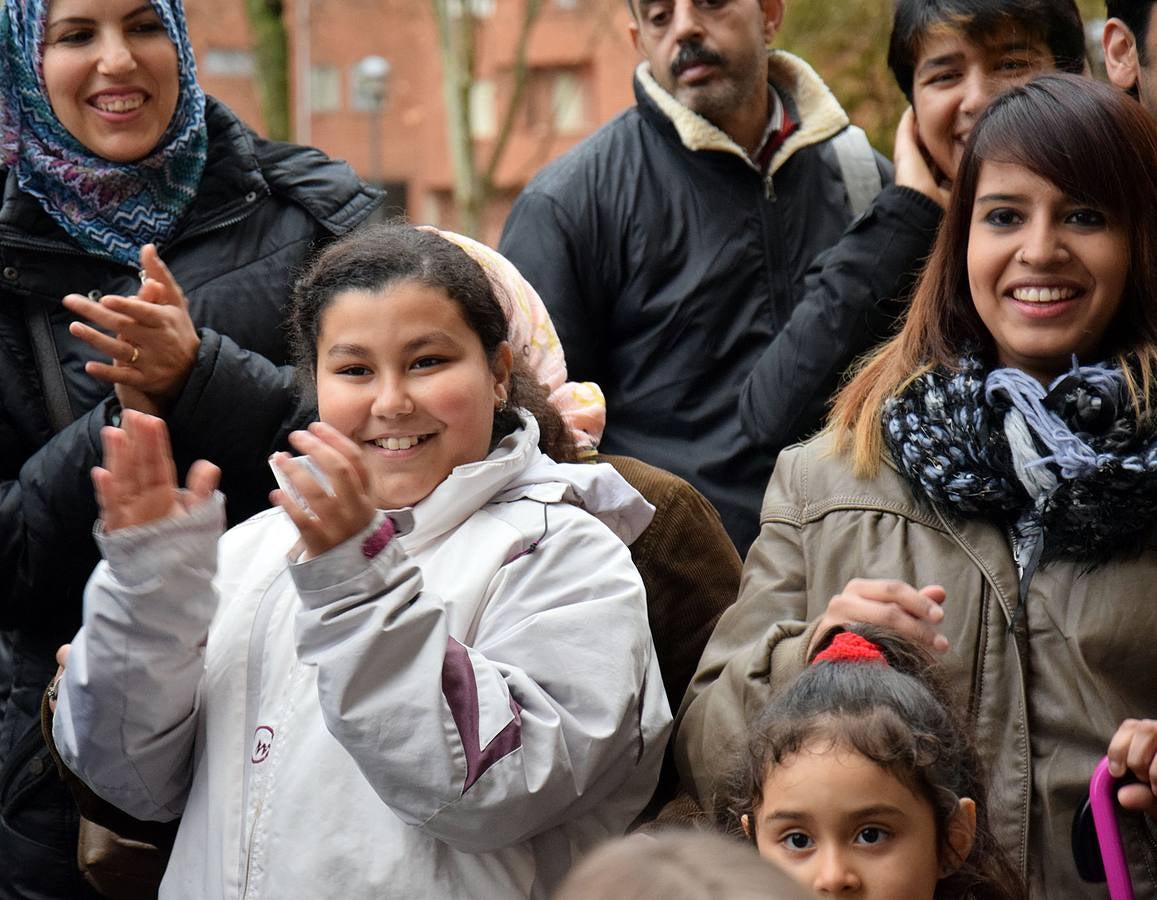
point(1045, 696)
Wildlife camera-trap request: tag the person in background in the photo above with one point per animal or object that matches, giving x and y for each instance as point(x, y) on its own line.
point(950, 58)
point(113, 161)
point(436, 615)
point(671, 246)
point(1129, 43)
point(987, 485)
point(677, 864)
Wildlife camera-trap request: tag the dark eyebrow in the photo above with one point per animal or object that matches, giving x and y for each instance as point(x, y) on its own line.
point(945, 59)
point(1000, 198)
point(436, 338)
point(430, 337)
point(347, 350)
point(865, 812)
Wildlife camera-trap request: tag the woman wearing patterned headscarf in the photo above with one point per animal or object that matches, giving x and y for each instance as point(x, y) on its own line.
point(113, 160)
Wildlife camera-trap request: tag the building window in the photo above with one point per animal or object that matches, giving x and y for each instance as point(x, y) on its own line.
point(231, 63)
point(568, 101)
point(483, 121)
point(479, 9)
point(324, 88)
point(556, 100)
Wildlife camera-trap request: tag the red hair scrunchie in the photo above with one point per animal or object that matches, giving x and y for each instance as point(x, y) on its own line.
point(847, 646)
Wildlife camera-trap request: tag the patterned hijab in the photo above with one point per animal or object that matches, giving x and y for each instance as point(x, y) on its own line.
point(111, 209)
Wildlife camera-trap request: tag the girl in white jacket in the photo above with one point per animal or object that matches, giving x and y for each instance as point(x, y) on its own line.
point(430, 675)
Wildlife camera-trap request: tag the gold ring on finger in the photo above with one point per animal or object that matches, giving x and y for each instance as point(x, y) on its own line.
point(136, 354)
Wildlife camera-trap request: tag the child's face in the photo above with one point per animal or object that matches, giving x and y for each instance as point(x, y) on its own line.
point(402, 374)
point(955, 78)
point(839, 824)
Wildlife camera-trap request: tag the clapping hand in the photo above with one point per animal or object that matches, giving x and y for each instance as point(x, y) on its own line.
point(333, 515)
point(154, 345)
point(138, 482)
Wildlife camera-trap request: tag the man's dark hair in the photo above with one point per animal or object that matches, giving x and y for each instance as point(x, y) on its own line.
point(1055, 22)
point(1136, 14)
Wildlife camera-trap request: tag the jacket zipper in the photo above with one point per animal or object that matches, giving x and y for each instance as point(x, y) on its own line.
point(249, 848)
point(1003, 601)
point(243, 214)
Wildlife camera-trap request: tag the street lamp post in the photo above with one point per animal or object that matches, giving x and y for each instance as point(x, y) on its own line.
point(371, 80)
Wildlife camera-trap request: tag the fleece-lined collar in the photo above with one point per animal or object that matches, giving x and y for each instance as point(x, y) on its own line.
point(517, 469)
point(819, 113)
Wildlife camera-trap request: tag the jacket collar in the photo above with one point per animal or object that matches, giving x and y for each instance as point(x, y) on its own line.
point(515, 470)
point(819, 114)
point(239, 169)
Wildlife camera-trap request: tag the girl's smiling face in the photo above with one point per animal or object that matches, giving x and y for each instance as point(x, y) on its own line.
point(1046, 272)
point(111, 74)
point(402, 374)
point(840, 824)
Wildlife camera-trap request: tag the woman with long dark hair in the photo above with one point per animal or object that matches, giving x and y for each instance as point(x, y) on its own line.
point(987, 484)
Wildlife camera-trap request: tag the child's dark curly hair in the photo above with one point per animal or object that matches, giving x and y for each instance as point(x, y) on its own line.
point(376, 256)
point(902, 717)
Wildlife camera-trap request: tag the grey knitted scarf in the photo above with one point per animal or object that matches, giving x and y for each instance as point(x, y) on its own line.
point(1064, 466)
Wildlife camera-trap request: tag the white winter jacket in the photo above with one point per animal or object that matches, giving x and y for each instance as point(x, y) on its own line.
point(457, 717)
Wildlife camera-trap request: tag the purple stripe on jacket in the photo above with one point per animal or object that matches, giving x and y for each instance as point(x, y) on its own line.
point(460, 689)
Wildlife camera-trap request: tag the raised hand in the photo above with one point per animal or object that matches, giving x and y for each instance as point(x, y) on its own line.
point(1134, 749)
point(155, 342)
point(138, 482)
point(336, 514)
point(890, 604)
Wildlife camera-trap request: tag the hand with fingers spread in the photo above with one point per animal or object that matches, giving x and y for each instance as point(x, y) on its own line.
point(138, 482)
point(890, 604)
point(150, 338)
point(1134, 749)
point(912, 166)
point(335, 515)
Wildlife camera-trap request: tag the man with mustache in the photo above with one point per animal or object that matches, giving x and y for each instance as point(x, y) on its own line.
point(672, 245)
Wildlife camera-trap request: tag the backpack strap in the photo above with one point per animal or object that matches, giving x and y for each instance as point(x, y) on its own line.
point(857, 162)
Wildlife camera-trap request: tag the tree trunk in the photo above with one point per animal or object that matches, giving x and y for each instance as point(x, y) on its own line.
point(271, 54)
point(457, 43)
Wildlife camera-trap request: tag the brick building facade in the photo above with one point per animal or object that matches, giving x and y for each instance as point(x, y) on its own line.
point(580, 61)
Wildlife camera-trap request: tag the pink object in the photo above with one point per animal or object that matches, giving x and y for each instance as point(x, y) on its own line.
point(533, 339)
point(376, 542)
point(1103, 799)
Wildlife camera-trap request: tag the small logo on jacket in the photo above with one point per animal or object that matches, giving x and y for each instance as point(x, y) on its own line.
point(262, 741)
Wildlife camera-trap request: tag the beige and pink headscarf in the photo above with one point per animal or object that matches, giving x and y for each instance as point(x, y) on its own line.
point(535, 342)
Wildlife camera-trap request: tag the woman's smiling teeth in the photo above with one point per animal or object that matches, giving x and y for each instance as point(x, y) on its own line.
point(404, 442)
point(1043, 294)
point(119, 104)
